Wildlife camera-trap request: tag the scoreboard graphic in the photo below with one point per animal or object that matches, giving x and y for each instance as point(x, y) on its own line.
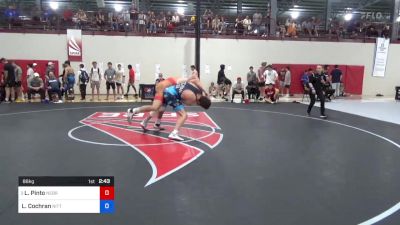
point(66, 195)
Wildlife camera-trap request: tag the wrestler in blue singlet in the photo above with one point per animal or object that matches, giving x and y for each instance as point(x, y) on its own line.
point(172, 95)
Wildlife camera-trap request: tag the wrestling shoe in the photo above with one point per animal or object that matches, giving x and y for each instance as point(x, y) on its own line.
point(323, 117)
point(143, 124)
point(175, 137)
point(130, 113)
point(158, 127)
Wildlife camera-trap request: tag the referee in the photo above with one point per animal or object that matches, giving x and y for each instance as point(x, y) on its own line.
point(316, 83)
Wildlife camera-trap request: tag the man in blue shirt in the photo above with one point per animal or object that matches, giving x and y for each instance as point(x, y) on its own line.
point(336, 78)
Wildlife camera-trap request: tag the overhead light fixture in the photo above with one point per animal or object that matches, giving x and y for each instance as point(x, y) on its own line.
point(348, 16)
point(180, 11)
point(53, 5)
point(296, 6)
point(295, 14)
point(398, 19)
point(118, 8)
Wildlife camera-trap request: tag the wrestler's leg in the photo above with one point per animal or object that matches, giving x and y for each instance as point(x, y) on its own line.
point(182, 116)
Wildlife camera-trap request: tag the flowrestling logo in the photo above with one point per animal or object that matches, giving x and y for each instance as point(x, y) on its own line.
point(165, 156)
point(74, 45)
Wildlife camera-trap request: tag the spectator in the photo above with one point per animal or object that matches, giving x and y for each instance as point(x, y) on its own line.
point(134, 17)
point(240, 29)
point(247, 24)
point(213, 90)
point(36, 86)
point(95, 80)
point(257, 18)
point(160, 78)
point(336, 79)
point(120, 81)
point(176, 19)
point(224, 84)
point(54, 89)
point(261, 77)
point(271, 76)
point(292, 29)
point(142, 21)
point(195, 73)
point(81, 18)
point(9, 80)
point(238, 88)
point(153, 24)
point(386, 31)
point(215, 24)
point(251, 77)
point(83, 80)
point(29, 72)
point(100, 20)
point(271, 94)
point(207, 16)
point(50, 68)
point(109, 76)
point(372, 32)
point(131, 82)
point(18, 82)
point(316, 82)
point(305, 79)
point(287, 81)
point(222, 25)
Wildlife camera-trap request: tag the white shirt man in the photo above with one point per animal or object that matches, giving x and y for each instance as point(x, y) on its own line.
point(270, 76)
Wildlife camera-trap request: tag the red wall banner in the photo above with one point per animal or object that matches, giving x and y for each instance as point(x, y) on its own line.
point(353, 76)
point(74, 45)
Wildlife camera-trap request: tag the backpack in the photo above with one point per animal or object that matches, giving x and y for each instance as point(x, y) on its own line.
point(84, 77)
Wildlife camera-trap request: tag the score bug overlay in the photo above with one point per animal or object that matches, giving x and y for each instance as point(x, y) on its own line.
point(66, 195)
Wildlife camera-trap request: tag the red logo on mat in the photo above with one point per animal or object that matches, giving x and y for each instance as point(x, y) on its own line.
point(165, 156)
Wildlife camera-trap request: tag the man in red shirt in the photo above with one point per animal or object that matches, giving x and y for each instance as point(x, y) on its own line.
point(271, 94)
point(131, 82)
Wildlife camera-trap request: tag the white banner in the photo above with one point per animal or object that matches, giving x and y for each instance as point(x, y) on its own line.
point(381, 55)
point(74, 45)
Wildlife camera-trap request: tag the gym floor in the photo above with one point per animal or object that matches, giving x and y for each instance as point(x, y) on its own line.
point(271, 164)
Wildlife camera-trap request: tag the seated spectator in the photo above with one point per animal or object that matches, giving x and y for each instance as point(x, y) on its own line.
point(36, 86)
point(305, 79)
point(271, 94)
point(213, 90)
point(160, 78)
point(54, 89)
point(238, 88)
point(81, 18)
point(247, 24)
point(292, 29)
point(239, 26)
point(386, 31)
point(253, 91)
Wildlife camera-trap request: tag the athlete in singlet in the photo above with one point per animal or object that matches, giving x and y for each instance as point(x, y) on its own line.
point(183, 92)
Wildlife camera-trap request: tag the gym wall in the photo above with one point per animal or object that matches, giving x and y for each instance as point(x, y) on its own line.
point(172, 53)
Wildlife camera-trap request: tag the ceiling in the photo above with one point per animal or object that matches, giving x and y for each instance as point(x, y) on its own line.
point(307, 8)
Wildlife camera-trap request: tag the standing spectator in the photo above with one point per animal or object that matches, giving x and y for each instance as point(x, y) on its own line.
point(109, 76)
point(287, 81)
point(214, 24)
point(238, 88)
point(9, 80)
point(336, 79)
point(316, 83)
point(95, 80)
point(257, 17)
point(142, 22)
point(36, 85)
point(252, 84)
point(18, 82)
point(386, 31)
point(83, 80)
point(54, 89)
point(50, 68)
point(261, 77)
point(29, 72)
point(100, 20)
point(120, 81)
point(224, 84)
point(131, 82)
point(134, 17)
point(271, 76)
point(251, 76)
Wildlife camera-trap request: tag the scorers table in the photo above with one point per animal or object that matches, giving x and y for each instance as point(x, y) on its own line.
point(66, 195)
